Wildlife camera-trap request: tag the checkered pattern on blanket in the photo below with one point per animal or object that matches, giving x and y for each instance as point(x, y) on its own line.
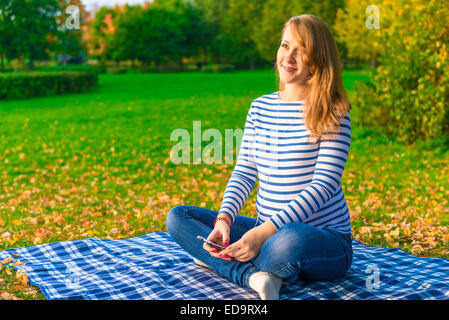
point(153, 266)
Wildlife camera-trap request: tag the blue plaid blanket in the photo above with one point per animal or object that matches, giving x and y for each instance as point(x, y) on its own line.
point(153, 266)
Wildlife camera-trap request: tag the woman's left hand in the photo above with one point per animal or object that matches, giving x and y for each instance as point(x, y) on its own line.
point(248, 246)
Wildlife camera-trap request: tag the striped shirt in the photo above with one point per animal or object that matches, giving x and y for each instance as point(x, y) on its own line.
point(299, 181)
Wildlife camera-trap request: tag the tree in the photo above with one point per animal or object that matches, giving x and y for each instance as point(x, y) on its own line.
point(212, 13)
point(326, 10)
point(276, 12)
point(102, 31)
point(7, 47)
point(31, 28)
point(70, 40)
point(162, 37)
point(126, 41)
point(270, 23)
point(238, 26)
point(366, 44)
point(190, 23)
point(409, 92)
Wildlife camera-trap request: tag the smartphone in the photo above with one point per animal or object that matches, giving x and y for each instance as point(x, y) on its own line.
point(213, 244)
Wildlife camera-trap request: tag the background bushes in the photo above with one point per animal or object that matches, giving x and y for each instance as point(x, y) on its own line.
point(32, 84)
point(218, 68)
point(74, 67)
point(409, 93)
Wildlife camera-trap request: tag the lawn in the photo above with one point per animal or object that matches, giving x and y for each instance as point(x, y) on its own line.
point(98, 164)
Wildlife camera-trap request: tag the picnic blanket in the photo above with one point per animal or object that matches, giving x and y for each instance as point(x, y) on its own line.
point(153, 266)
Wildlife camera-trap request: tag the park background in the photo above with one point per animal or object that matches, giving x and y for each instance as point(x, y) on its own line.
point(86, 114)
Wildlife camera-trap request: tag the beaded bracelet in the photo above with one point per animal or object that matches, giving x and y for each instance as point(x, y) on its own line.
point(223, 219)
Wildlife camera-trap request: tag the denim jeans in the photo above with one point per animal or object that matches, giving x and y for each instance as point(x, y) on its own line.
point(295, 251)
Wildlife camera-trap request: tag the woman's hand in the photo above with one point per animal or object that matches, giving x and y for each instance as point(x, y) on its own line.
point(250, 243)
point(219, 235)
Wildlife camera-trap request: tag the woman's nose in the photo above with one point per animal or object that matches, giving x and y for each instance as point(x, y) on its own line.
point(290, 56)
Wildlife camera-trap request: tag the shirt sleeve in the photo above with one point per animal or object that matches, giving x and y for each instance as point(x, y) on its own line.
point(326, 181)
point(244, 176)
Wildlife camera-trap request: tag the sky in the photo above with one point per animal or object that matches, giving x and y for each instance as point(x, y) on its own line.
point(90, 4)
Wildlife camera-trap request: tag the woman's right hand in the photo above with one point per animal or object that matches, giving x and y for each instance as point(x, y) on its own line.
point(220, 235)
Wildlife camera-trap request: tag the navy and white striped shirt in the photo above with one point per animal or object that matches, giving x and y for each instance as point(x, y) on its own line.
point(299, 181)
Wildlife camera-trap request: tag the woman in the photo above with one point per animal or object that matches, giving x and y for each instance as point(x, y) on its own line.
point(296, 141)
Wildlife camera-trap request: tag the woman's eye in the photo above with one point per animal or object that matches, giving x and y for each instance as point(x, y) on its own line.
point(284, 45)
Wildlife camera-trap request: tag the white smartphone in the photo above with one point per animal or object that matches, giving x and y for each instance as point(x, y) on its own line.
point(213, 244)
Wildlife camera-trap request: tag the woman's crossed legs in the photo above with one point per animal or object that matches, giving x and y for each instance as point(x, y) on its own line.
point(297, 250)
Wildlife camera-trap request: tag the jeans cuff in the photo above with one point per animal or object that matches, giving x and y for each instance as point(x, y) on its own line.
point(248, 275)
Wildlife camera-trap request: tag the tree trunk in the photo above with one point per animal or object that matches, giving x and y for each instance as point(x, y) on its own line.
point(31, 64)
point(373, 61)
point(252, 64)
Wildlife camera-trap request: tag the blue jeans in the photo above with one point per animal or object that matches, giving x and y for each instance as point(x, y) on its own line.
point(296, 251)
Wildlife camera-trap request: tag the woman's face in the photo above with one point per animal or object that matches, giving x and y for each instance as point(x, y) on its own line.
point(289, 62)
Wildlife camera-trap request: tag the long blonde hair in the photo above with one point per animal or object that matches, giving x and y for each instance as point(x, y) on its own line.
point(326, 101)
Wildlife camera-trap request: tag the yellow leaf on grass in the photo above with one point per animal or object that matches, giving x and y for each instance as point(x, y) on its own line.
point(90, 233)
point(7, 260)
point(417, 248)
point(365, 230)
point(19, 263)
point(8, 296)
point(22, 277)
point(394, 233)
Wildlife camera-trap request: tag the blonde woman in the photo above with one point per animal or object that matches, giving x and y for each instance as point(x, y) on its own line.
point(296, 141)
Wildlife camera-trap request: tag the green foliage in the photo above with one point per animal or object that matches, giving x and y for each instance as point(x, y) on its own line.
point(267, 35)
point(236, 36)
point(218, 68)
point(267, 32)
point(162, 37)
point(350, 30)
point(116, 70)
point(31, 84)
point(409, 93)
point(163, 32)
point(74, 67)
point(213, 13)
point(101, 38)
point(126, 42)
point(27, 28)
point(70, 41)
point(190, 23)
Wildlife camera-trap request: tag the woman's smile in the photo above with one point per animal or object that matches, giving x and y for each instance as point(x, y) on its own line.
point(288, 69)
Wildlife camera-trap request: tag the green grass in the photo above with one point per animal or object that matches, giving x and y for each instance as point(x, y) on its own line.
point(97, 164)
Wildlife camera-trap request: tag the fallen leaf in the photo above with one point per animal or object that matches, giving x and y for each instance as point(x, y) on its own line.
point(19, 263)
point(9, 296)
point(22, 277)
point(6, 261)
